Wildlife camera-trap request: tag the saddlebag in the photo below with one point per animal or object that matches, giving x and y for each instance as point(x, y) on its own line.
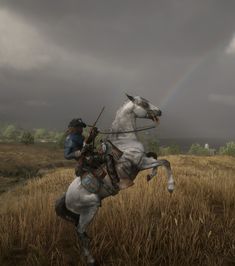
point(90, 182)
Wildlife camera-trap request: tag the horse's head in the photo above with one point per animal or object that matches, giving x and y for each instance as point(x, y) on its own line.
point(142, 108)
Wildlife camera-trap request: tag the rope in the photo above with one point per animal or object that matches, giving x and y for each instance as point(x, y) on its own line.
point(128, 131)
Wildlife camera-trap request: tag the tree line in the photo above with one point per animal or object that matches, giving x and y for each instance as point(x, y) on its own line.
point(195, 149)
point(13, 133)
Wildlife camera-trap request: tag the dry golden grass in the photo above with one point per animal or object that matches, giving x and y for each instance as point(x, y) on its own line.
point(17, 158)
point(143, 225)
point(19, 162)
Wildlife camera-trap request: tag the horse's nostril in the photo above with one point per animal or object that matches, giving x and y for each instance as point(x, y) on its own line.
point(159, 113)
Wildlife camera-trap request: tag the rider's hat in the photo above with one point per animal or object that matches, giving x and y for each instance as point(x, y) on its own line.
point(76, 122)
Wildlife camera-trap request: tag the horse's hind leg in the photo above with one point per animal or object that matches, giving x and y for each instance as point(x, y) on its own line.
point(86, 215)
point(154, 170)
point(171, 182)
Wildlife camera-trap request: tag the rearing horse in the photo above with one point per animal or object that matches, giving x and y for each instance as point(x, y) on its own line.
point(84, 204)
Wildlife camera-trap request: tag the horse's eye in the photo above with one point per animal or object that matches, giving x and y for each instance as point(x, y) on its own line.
point(145, 105)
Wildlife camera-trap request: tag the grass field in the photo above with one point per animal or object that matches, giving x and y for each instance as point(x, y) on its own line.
point(19, 162)
point(143, 225)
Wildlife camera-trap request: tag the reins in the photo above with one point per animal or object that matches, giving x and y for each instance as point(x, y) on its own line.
point(128, 131)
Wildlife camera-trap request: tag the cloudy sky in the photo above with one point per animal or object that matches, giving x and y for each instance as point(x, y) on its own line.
point(64, 59)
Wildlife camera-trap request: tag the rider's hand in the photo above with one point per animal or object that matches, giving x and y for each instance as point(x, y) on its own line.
point(94, 132)
point(77, 153)
point(85, 149)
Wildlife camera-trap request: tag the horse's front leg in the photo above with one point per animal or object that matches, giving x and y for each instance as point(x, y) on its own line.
point(148, 163)
point(153, 173)
point(171, 182)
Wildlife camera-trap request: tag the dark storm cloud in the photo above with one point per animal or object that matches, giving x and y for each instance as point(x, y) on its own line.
point(127, 28)
point(67, 58)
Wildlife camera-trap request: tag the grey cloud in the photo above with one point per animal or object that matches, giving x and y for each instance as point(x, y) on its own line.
point(230, 49)
point(37, 103)
point(127, 28)
point(95, 51)
point(223, 99)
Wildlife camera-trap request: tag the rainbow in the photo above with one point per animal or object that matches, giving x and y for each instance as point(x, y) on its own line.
point(192, 71)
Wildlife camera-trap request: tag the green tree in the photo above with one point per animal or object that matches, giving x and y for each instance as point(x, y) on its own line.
point(40, 133)
point(58, 136)
point(228, 149)
point(197, 149)
point(51, 135)
point(10, 132)
point(27, 138)
point(172, 149)
point(163, 151)
point(153, 146)
point(2, 128)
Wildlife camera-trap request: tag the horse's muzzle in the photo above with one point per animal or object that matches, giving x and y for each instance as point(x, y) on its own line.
point(154, 115)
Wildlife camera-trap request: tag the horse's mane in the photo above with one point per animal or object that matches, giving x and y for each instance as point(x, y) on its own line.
point(121, 108)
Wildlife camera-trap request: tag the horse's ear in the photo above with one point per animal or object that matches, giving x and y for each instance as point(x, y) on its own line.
point(131, 98)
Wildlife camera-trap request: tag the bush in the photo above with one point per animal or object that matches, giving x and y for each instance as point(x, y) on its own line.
point(27, 138)
point(172, 149)
point(228, 149)
point(153, 146)
point(40, 133)
point(164, 151)
point(197, 149)
point(10, 132)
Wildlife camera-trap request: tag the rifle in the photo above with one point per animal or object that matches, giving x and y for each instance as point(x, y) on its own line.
point(90, 137)
point(88, 141)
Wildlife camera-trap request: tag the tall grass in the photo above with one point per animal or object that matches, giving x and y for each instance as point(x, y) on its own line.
point(143, 225)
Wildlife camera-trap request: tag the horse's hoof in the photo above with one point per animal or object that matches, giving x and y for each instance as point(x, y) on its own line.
point(171, 189)
point(171, 186)
point(92, 263)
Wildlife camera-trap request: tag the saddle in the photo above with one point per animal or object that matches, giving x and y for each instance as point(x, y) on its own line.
point(92, 178)
point(90, 182)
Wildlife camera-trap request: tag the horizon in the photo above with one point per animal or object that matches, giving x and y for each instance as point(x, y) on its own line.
point(181, 141)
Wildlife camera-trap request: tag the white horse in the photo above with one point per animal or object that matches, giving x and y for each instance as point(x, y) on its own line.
point(83, 204)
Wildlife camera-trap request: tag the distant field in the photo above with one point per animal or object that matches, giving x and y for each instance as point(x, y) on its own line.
point(19, 162)
point(143, 225)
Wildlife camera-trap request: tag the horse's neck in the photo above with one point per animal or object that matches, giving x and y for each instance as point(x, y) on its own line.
point(124, 121)
point(127, 166)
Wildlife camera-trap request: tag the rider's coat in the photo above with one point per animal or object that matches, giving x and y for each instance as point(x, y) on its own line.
point(73, 142)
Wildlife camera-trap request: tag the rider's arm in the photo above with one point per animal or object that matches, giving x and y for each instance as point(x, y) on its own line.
point(71, 150)
point(74, 144)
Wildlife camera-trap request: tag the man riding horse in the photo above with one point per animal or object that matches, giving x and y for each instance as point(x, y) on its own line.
point(89, 163)
point(85, 193)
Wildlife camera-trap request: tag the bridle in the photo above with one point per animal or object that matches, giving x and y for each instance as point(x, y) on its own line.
point(150, 114)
